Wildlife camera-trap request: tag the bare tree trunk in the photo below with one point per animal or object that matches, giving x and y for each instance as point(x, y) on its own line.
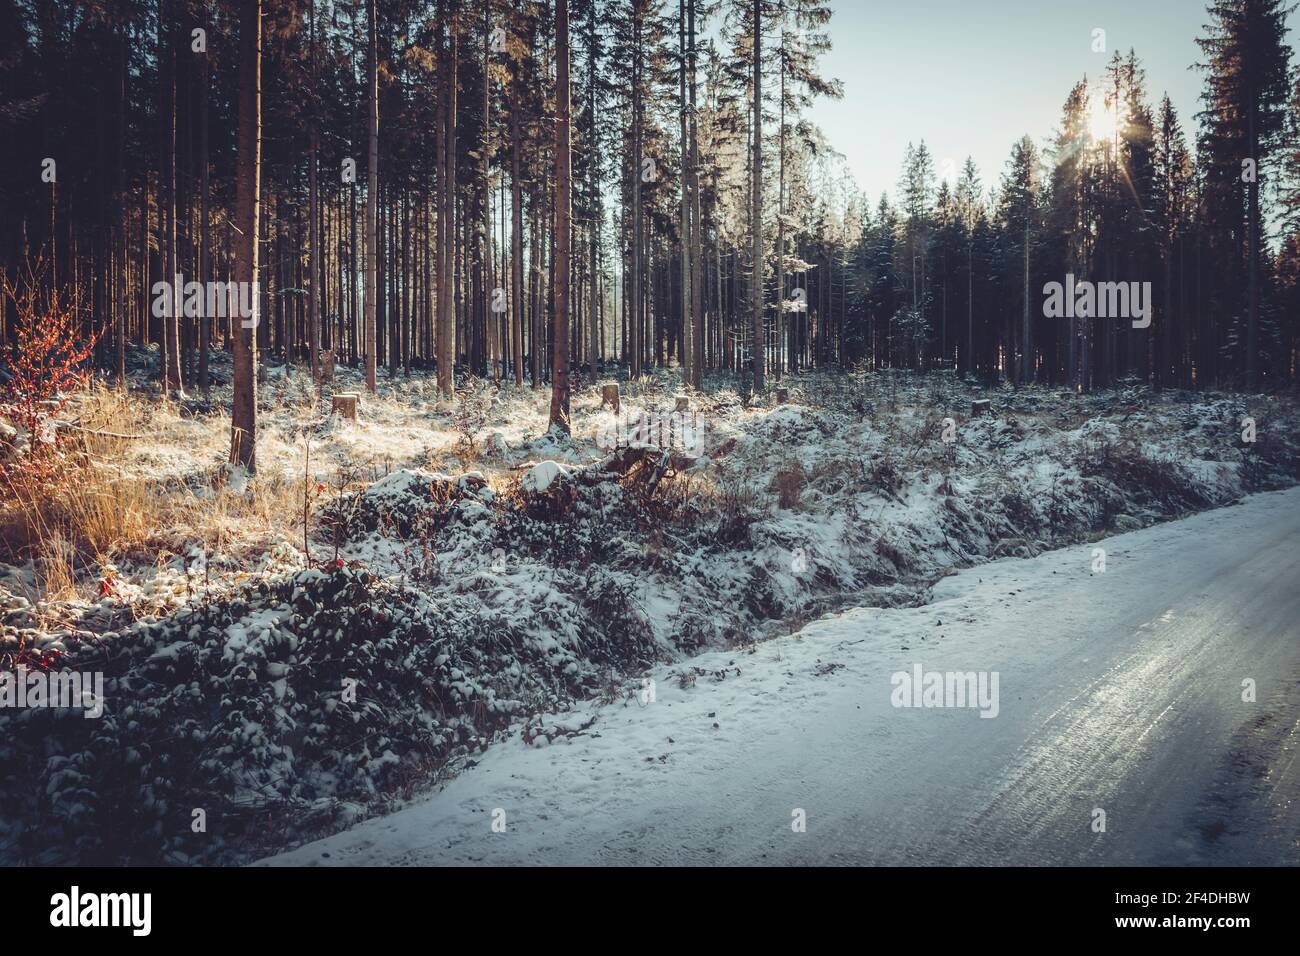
point(486, 317)
point(597, 217)
point(687, 345)
point(516, 234)
point(1026, 334)
point(970, 307)
point(1252, 266)
point(352, 273)
point(247, 208)
point(697, 223)
point(563, 222)
point(120, 291)
point(636, 327)
point(205, 264)
point(170, 360)
point(446, 212)
point(756, 207)
point(313, 294)
point(535, 248)
point(778, 332)
point(372, 197)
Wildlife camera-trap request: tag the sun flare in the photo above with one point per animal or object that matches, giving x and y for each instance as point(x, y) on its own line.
point(1102, 120)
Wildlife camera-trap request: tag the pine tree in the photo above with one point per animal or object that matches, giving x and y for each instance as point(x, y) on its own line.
point(1018, 226)
point(247, 214)
point(1248, 85)
point(372, 199)
point(1171, 213)
point(563, 222)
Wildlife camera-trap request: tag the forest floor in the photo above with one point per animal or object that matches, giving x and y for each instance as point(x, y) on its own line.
point(285, 655)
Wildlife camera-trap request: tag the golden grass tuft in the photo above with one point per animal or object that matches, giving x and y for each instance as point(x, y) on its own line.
point(96, 512)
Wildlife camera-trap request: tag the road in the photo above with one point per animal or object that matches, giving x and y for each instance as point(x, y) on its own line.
point(1118, 691)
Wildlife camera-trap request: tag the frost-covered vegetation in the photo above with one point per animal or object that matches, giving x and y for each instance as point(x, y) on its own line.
point(292, 653)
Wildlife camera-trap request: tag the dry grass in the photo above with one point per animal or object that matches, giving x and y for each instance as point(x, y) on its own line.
point(95, 511)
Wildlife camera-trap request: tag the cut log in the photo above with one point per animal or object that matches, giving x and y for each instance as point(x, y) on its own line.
point(981, 406)
point(345, 404)
point(609, 395)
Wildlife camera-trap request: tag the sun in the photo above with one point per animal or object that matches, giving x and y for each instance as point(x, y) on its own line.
point(1103, 122)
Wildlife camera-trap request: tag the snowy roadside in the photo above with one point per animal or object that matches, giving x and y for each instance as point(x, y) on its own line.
point(718, 765)
point(497, 575)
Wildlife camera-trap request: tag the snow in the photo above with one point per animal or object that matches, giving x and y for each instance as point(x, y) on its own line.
point(539, 477)
point(711, 770)
point(548, 587)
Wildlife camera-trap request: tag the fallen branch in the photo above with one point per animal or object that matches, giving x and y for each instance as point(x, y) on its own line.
point(59, 423)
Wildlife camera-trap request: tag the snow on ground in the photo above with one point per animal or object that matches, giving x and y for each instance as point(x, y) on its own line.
point(478, 571)
point(1130, 702)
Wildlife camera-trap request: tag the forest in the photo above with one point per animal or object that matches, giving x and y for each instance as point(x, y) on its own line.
point(489, 359)
point(418, 170)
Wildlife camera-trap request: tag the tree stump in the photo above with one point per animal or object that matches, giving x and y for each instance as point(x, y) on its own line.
point(782, 396)
point(789, 482)
point(609, 395)
point(345, 404)
point(683, 404)
point(981, 406)
point(326, 365)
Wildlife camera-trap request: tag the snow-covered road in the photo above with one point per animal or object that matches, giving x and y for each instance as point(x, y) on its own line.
point(1119, 691)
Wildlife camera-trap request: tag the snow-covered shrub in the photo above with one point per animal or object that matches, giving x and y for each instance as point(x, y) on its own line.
point(1164, 485)
point(405, 503)
point(300, 699)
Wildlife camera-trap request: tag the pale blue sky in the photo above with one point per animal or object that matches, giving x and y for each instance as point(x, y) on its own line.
point(971, 76)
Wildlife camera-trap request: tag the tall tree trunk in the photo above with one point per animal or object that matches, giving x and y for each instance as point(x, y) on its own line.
point(698, 267)
point(313, 293)
point(970, 307)
point(353, 311)
point(1252, 253)
point(563, 222)
point(205, 252)
point(686, 348)
point(486, 317)
point(247, 208)
point(780, 212)
point(597, 212)
point(756, 204)
point(1026, 334)
point(447, 209)
point(634, 339)
point(372, 198)
point(120, 290)
point(516, 232)
point(170, 360)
